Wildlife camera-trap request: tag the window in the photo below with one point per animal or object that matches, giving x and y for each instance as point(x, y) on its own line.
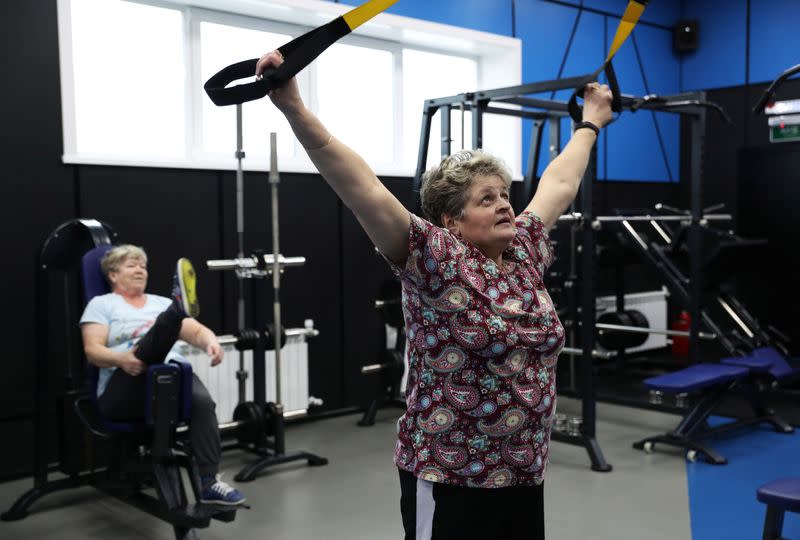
point(135, 98)
point(218, 44)
point(357, 103)
point(128, 88)
point(430, 75)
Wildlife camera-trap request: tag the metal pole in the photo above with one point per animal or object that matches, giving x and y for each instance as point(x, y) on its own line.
point(274, 181)
point(577, 216)
point(445, 148)
point(477, 123)
point(428, 111)
point(229, 340)
point(253, 262)
point(241, 375)
point(695, 234)
point(462, 124)
point(554, 149)
point(555, 137)
point(41, 428)
point(534, 152)
point(573, 351)
point(647, 330)
point(239, 189)
point(587, 300)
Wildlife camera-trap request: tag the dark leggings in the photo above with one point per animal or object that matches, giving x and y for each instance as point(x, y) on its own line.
point(124, 397)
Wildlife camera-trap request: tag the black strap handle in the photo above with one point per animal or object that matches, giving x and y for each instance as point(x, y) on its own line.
point(297, 54)
point(576, 111)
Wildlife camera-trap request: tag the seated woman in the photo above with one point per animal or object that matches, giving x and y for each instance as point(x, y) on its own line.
point(126, 330)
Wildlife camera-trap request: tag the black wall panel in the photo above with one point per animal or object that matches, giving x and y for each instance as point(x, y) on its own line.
point(769, 184)
point(37, 193)
point(363, 272)
point(758, 183)
point(170, 212)
point(723, 141)
point(719, 166)
point(309, 227)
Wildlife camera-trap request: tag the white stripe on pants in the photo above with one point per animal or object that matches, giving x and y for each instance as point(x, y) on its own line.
point(425, 508)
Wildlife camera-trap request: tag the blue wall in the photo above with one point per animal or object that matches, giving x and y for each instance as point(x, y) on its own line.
point(774, 38)
point(485, 15)
point(741, 42)
point(640, 147)
point(644, 145)
point(720, 57)
point(545, 28)
point(723, 58)
point(631, 149)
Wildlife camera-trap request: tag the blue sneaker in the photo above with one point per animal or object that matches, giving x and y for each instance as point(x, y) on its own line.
point(219, 492)
point(184, 288)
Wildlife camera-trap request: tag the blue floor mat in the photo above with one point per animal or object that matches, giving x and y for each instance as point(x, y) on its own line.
point(722, 498)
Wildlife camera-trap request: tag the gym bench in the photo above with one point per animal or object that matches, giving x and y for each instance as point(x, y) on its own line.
point(712, 383)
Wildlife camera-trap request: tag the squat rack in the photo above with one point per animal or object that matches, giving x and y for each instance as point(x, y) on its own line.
point(691, 105)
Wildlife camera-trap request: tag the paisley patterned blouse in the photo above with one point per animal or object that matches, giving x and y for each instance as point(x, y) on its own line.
point(483, 345)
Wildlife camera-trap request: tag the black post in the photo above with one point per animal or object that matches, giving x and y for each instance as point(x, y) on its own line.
point(555, 137)
point(478, 108)
point(534, 155)
point(695, 233)
point(588, 393)
point(446, 130)
point(41, 377)
point(258, 302)
point(278, 430)
point(587, 299)
point(428, 110)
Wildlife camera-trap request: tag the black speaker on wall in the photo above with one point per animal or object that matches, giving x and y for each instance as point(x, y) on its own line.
point(686, 36)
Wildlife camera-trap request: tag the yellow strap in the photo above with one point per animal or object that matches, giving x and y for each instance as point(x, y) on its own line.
point(358, 16)
point(629, 19)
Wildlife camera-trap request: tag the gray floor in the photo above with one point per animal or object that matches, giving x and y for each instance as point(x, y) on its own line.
point(356, 495)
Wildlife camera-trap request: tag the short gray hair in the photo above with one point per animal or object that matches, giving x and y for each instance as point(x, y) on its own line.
point(112, 260)
point(444, 187)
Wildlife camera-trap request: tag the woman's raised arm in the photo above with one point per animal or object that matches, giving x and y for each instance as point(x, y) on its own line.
point(562, 178)
point(383, 217)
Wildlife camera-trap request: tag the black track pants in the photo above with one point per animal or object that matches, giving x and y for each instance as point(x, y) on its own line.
point(434, 511)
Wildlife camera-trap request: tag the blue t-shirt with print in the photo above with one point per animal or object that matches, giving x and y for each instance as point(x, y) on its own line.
point(126, 325)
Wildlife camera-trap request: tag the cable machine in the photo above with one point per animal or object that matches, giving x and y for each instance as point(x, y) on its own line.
point(692, 106)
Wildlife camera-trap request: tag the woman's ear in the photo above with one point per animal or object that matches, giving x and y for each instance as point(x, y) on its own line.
point(451, 224)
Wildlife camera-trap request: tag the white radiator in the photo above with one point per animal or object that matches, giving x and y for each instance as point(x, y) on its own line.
point(653, 304)
point(223, 385)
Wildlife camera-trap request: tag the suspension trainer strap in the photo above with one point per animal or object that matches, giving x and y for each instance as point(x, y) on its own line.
point(629, 20)
point(766, 98)
point(297, 54)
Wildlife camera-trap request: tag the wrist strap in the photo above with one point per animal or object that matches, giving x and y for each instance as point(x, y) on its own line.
point(589, 125)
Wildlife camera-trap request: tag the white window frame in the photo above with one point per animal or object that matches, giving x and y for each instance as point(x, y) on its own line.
point(499, 60)
point(193, 17)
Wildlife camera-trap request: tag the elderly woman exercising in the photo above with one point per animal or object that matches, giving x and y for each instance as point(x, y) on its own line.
point(483, 335)
point(126, 330)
